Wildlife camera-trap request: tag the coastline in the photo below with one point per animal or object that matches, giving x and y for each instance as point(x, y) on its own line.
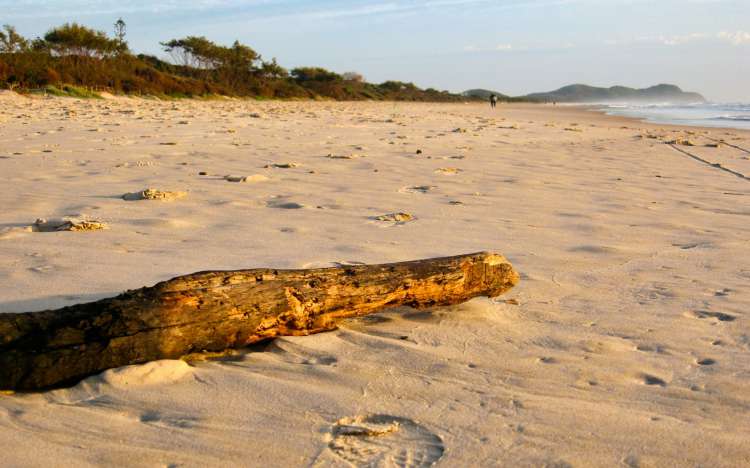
point(608, 111)
point(599, 108)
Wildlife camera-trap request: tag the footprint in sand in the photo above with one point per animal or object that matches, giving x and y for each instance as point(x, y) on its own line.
point(284, 205)
point(648, 379)
point(296, 354)
point(156, 418)
point(722, 292)
point(384, 440)
point(162, 223)
point(343, 156)
point(282, 165)
point(547, 360)
point(593, 249)
point(706, 314)
point(418, 189)
point(649, 348)
point(687, 246)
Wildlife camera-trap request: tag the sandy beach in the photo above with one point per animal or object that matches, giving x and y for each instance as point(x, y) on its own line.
point(626, 343)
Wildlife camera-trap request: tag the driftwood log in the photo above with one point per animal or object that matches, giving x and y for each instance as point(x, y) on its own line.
point(217, 310)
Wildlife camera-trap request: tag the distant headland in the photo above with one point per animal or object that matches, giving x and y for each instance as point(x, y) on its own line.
point(580, 93)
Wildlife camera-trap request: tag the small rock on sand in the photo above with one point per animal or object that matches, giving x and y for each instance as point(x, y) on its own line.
point(153, 194)
point(67, 224)
point(448, 170)
point(681, 142)
point(399, 217)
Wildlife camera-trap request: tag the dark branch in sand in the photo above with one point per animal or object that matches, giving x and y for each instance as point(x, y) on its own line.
point(217, 310)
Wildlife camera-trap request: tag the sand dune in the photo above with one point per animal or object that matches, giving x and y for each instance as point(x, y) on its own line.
point(626, 343)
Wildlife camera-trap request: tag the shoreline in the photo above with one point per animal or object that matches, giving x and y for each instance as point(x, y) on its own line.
point(643, 119)
point(598, 108)
point(602, 110)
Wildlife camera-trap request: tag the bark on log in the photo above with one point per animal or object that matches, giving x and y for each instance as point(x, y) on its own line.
point(216, 310)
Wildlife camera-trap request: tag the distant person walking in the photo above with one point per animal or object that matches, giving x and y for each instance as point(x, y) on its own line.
point(493, 100)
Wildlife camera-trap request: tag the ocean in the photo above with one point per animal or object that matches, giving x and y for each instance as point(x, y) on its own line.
point(701, 115)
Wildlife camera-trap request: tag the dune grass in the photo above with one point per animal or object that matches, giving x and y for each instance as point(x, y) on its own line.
point(71, 91)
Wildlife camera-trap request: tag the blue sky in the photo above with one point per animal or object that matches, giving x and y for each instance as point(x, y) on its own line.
point(513, 46)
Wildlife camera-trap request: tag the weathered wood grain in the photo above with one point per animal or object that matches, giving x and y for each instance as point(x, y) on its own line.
point(216, 310)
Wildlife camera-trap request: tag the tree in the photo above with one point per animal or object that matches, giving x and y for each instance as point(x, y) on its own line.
point(353, 76)
point(235, 64)
point(120, 30)
point(273, 70)
point(194, 51)
point(77, 40)
point(303, 74)
point(12, 42)
point(397, 86)
point(39, 45)
point(239, 57)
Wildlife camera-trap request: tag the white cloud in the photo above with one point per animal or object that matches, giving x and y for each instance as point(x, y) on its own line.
point(19, 9)
point(497, 48)
point(683, 39)
point(735, 38)
point(505, 47)
point(267, 9)
point(323, 9)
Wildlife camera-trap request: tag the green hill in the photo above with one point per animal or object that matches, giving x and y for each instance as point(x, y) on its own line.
point(584, 93)
point(484, 94)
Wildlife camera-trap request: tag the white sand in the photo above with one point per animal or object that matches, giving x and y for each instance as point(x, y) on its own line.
point(629, 343)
